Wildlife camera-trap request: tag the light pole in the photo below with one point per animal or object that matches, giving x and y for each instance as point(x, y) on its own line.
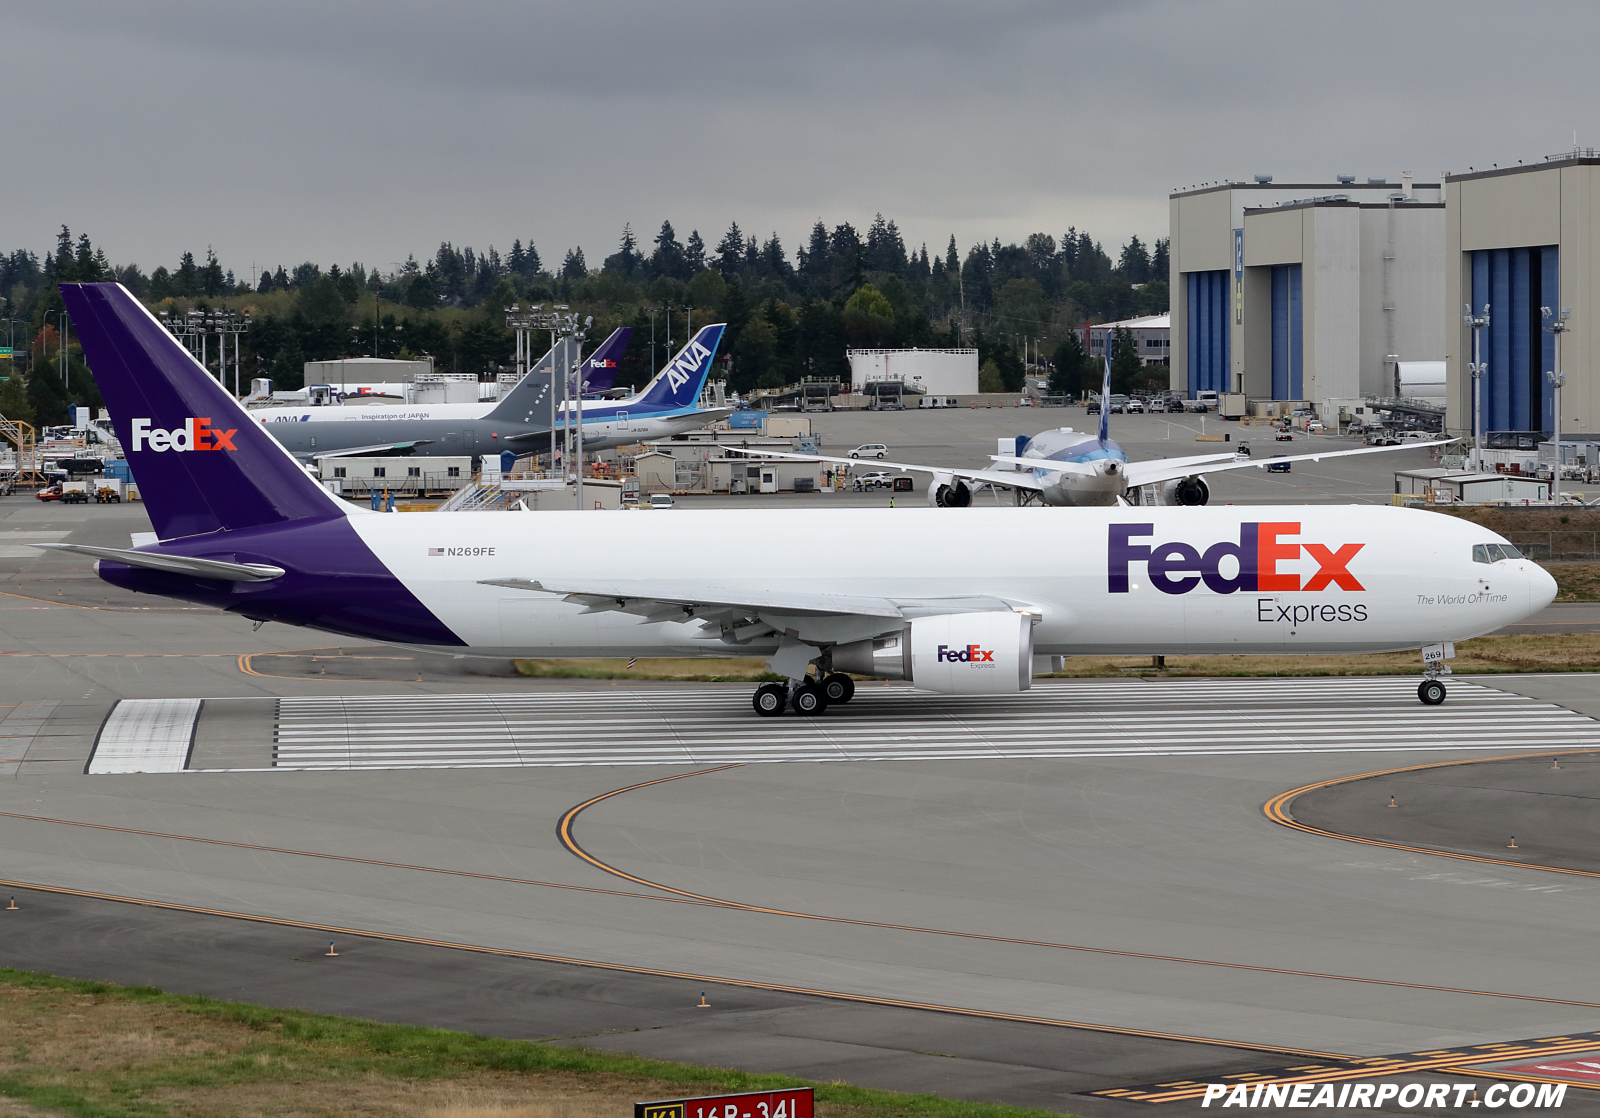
point(1479, 324)
point(652, 312)
point(1556, 324)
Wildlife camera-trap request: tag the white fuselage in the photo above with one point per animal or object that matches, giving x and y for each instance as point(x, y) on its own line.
point(1411, 581)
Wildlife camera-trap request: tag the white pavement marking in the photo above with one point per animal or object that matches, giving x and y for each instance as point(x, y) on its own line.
point(701, 726)
point(146, 736)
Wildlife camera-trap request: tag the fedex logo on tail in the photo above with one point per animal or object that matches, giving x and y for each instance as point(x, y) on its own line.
point(966, 654)
point(1177, 568)
point(195, 434)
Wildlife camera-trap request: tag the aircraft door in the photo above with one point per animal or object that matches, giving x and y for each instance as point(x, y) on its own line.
point(622, 421)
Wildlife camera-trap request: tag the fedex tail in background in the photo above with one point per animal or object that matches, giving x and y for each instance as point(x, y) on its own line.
point(679, 385)
point(203, 464)
point(600, 367)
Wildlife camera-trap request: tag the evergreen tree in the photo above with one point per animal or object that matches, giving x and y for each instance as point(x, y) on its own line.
point(730, 252)
point(186, 280)
point(573, 267)
point(695, 252)
point(1125, 363)
point(14, 402)
point(626, 260)
point(668, 259)
point(1068, 362)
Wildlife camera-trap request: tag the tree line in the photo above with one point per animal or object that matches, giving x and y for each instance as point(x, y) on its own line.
point(790, 315)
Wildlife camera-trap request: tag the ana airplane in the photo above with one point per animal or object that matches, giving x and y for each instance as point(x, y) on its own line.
point(669, 404)
point(1067, 467)
point(520, 421)
point(242, 527)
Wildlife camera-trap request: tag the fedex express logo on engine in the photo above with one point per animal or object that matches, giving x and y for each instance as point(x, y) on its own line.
point(1177, 568)
point(966, 654)
point(195, 434)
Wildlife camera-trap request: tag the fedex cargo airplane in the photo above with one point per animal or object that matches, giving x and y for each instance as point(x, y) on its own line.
point(670, 403)
point(1074, 468)
point(242, 527)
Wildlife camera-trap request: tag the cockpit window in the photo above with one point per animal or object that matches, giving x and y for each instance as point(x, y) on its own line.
point(1494, 552)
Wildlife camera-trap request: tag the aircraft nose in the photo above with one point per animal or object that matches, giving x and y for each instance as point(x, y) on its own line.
point(1541, 587)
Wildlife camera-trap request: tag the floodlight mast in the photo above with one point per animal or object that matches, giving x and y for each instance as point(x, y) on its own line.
point(1478, 323)
point(1556, 324)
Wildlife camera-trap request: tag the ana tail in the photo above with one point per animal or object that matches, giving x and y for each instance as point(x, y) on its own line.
point(679, 385)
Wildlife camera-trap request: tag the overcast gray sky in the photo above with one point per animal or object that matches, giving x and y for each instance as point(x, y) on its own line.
point(329, 131)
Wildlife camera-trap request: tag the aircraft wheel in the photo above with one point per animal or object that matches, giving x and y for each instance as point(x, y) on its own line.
point(770, 699)
point(1431, 692)
point(808, 700)
point(838, 688)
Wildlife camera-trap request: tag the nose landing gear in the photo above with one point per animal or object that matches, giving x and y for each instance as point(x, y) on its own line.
point(1431, 691)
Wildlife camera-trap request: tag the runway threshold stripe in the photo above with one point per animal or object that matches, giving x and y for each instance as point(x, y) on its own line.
point(670, 896)
point(747, 984)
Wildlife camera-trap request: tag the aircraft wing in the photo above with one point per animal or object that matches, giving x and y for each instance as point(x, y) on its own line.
point(1149, 473)
point(174, 564)
point(374, 448)
point(1018, 480)
point(739, 615)
point(661, 601)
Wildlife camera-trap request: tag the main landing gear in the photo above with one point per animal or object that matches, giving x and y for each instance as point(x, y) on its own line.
point(809, 698)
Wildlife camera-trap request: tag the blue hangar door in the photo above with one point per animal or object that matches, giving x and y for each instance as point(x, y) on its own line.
point(1208, 324)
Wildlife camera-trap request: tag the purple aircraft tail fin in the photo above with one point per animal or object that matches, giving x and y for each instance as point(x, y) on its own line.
point(203, 464)
point(600, 367)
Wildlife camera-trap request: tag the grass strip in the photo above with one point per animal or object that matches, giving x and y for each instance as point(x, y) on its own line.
point(98, 1050)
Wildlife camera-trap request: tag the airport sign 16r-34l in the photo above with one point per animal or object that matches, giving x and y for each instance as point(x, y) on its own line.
point(798, 1103)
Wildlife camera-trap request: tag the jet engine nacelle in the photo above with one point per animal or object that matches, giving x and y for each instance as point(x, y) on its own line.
point(956, 653)
point(945, 492)
point(1186, 491)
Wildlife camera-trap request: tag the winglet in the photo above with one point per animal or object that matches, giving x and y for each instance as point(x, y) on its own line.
point(1105, 395)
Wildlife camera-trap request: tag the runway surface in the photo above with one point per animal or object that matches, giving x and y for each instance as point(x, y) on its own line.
point(1057, 890)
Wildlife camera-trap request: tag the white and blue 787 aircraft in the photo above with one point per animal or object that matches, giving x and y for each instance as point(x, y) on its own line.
point(1074, 468)
point(242, 527)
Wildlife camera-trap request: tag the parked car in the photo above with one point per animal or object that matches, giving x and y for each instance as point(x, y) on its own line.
point(1136, 405)
point(53, 492)
point(875, 480)
point(1314, 427)
point(1175, 404)
point(1093, 407)
point(661, 500)
point(869, 450)
point(630, 501)
point(1284, 435)
point(1118, 403)
point(1276, 467)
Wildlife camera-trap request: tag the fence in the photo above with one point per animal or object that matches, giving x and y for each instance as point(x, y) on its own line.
point(1556, 545)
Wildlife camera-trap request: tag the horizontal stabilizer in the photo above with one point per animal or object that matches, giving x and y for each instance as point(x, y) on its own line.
point(374, 448)
point(174, 564)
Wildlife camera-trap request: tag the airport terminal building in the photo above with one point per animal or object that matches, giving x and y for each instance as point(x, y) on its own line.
point(1305, 291)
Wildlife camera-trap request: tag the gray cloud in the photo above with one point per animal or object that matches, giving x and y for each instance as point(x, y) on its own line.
point(365, 131)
